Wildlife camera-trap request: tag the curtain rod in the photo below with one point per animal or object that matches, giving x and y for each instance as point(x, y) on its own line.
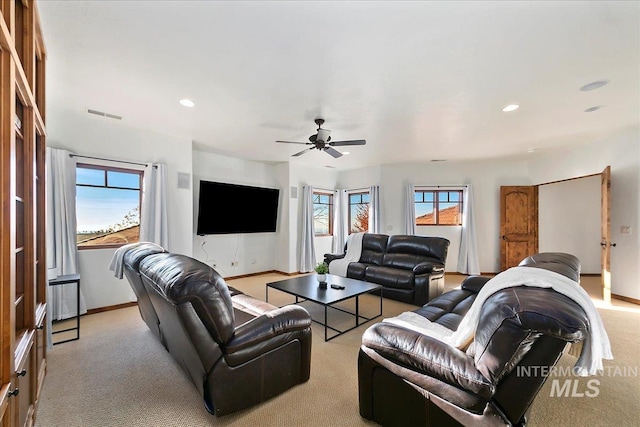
point(441, 186)
point(109, 160)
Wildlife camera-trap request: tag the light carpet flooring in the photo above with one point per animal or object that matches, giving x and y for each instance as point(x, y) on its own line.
point(118, 374)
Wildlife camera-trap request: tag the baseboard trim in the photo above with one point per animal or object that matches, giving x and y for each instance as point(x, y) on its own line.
point(455, 273)
point(260, 273)
point(112, 307)
point(627, 299)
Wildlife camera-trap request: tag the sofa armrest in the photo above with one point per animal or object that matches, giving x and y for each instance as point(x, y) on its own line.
point(427, 356)
point(427, 267)
point(290, 318)
point(330, 257)
point(474, 283)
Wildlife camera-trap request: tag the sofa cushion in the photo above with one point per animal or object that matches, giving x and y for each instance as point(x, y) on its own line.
point(356, 270)
point(373, 248)
point(421, 246)
point(409, 261)
point(449, 308)
point(390, 277)
point(246, 308)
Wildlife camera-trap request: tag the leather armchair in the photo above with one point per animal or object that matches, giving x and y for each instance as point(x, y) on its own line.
point(237, 350)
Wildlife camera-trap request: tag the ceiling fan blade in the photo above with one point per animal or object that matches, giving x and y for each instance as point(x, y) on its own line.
point(293, 142)
point(335, 153)
point(342, 143)
point(302, 152)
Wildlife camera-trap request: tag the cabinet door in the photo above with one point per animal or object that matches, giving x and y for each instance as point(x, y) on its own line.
point(4, 405)
point(25, 380)
point(40, 352)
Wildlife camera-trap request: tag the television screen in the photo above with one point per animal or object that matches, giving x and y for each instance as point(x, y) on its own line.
point(230, 208)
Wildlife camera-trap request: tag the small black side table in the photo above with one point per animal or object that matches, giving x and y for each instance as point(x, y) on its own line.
point(64, 280)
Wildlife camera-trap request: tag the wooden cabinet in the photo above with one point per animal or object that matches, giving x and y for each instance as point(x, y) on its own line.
point(22, 220)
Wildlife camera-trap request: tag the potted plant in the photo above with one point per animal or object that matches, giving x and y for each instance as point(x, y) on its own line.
point(322, 269)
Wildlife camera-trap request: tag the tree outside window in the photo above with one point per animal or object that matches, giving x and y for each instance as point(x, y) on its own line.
point(322, 213)
point(438, 207)
point(358, 212)
point(107, 206)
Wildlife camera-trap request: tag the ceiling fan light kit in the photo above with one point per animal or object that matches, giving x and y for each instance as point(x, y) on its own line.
point(322, 141)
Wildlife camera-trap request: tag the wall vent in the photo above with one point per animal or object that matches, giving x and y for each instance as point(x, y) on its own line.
point(103, 114)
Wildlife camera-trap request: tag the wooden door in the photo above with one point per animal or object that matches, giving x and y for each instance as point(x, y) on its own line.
point(605, 241)
point(518, 224)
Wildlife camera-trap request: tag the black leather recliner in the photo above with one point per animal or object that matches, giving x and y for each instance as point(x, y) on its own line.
point(406, 378)
point(409, 268)
point(237, 350)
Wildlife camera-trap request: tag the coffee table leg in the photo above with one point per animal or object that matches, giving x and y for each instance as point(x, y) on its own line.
point(357, 311)
point(325, 323)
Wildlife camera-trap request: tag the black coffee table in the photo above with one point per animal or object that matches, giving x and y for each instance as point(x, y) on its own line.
point(306, 287)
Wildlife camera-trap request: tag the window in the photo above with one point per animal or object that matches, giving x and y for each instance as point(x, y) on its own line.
point(322, 213)
point(107, 206)
point(438, 207)
point(358, 212)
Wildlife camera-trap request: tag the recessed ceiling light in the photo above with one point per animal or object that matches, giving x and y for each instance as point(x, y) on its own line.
point(346, 153)
point(187, 103)
point(531, 150)
point(594, 108)
point(510, 107)
point(594, 85)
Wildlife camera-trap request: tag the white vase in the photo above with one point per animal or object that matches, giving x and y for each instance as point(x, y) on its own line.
point(322, 278)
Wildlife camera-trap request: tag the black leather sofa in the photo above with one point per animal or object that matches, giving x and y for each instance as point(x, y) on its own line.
point(131, 263)
point(406, 378)
point(409, 268)
point(237, 350)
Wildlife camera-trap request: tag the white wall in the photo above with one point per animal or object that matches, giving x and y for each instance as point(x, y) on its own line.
point(622, 153)
point(254, 252)
point(102, 137)
point(260, 251)
point(486, 178)
point(569, 220)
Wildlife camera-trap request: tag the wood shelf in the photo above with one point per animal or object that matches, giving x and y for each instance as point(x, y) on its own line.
point(22, 219)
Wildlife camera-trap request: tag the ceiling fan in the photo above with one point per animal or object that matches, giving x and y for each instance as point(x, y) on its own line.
point(322, 141)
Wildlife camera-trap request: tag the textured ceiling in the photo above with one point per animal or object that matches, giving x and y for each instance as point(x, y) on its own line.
point(417, 80)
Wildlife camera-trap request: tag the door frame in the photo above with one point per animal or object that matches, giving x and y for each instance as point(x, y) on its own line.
point(605, 227)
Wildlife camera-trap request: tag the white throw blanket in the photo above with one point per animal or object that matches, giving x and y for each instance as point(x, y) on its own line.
point(354, 250)
point(117, 261)
point(596, 344)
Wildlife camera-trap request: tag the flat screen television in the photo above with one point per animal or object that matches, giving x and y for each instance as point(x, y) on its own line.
point(230, 208)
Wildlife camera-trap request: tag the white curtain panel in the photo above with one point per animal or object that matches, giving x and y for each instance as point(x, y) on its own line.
point(307, 255)
point(468, 256)
point(62, 250)
point(410, 211)
point(340, 226)
point(374, 209)
point(154, 225)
